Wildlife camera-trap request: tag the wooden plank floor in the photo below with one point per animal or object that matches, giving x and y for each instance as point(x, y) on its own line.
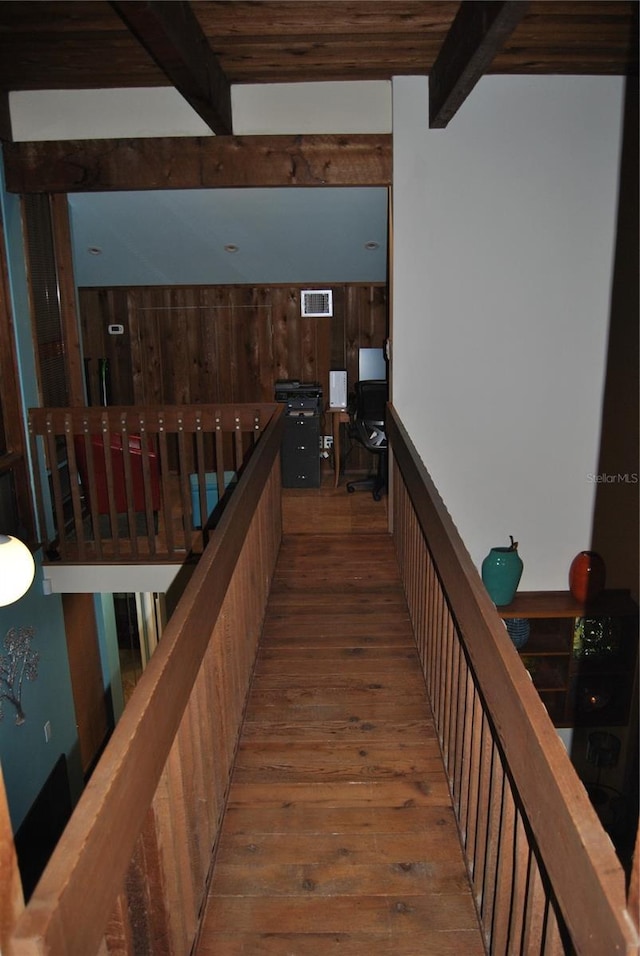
point(332, 510)
point(339, 835)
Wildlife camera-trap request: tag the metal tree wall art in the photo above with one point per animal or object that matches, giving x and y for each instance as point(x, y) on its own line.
point(19, 663)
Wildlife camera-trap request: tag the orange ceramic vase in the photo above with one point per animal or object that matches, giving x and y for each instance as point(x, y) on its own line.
point(587, 576)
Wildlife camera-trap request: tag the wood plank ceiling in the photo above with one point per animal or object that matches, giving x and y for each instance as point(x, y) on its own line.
point(204, 47)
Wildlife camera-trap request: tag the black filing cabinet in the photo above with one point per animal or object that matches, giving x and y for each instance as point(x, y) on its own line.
point(300, 451)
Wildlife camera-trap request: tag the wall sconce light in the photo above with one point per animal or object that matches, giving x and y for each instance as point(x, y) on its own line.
point(17, 569)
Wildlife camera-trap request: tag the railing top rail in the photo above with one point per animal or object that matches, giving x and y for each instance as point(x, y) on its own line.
point(99, 840)
point(247, 416)
point(587, 878)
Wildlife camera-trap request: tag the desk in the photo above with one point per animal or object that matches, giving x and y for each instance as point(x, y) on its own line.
point(339, 416)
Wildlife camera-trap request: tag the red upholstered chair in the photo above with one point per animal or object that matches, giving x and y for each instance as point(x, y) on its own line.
point(117, 464)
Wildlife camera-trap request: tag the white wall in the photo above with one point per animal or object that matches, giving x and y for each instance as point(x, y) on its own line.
point(353, 107)
point(295, 108)
point(503, 239)
point(102, 114)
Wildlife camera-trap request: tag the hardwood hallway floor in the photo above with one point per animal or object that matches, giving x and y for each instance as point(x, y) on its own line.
point(339, 835)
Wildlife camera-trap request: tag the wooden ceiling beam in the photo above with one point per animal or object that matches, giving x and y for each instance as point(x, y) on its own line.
point(6, 132)
point(197, 163)
point(477, 34)
point(172, 35)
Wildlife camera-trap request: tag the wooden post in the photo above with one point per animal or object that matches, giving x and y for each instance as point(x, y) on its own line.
point(633, 896)
point(11, 898)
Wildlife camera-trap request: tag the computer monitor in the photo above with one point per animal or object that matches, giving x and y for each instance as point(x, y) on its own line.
point(371, 364)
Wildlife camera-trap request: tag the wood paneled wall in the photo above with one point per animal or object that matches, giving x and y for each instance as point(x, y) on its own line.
point(190, 344)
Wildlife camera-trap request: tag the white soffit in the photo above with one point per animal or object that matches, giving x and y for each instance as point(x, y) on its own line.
point(102, 114)
point(270, 109)
point(292, 108)
point(107, 578)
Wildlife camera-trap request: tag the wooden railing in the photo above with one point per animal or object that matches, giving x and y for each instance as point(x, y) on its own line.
point(544, 874)
point(130, 871)
point(131, 483)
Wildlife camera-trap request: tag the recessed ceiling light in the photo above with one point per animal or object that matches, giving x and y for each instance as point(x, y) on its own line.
point(231, 247)
point(371, 245)
point(94, 251)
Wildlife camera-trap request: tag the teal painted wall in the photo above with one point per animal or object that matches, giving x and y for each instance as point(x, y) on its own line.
point(109, 654)
point(26, 758)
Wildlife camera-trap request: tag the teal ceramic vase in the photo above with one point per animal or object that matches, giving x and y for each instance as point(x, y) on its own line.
point(501, 573)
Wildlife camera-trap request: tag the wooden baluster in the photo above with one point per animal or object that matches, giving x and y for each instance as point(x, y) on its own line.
point(467, 756)
point(525, 867)
point(454, 680)
point(183, 477)
point(504, 917)
point(219, 451)
point(72, 470)
point(430, 636)
point(474, 783)
point(145, 464)
point(419, 587)
point(56, 487)
point(109, 481)
point(91, 490)
point(37, 459)
point(418, 560)
point(201, 472)
point(436, 612)
point(439, 656)
point(457, 779)
point(239, 455)
point(484, 868)
point(445, 638)
point(447, 687)
point(129, 490)
point(166, 510)
point(553, 942)
point(535, 910)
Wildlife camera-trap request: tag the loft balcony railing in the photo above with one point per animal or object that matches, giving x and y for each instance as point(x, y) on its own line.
point(544, 875)
point(132, 864)
point(126, 483)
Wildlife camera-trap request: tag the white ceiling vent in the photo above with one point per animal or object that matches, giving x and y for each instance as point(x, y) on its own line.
point(316, 303)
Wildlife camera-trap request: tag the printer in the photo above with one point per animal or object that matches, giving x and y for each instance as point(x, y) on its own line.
point(300, 397)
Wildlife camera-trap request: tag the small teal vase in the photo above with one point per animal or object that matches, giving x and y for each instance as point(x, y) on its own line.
point(501, 573)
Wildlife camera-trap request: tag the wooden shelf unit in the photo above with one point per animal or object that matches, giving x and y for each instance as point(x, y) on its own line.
point(579, 688)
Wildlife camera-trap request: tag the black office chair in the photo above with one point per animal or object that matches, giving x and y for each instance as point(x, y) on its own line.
point(368, 427)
